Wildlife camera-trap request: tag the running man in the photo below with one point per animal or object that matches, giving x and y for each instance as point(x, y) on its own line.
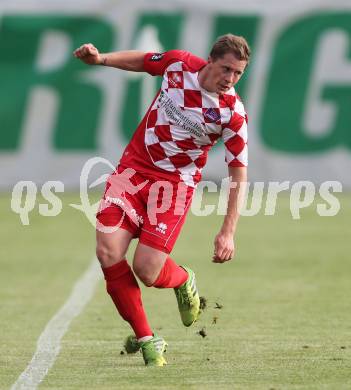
point(195, 106)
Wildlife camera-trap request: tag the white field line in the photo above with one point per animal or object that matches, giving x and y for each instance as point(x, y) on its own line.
point(49, 342)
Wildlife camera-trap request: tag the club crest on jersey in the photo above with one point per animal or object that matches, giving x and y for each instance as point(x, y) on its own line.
point(156, 57)
point(175, 79)
point(212, 115)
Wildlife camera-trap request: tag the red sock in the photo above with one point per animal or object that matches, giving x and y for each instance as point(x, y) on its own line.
point(126, 295)
point(171, 275)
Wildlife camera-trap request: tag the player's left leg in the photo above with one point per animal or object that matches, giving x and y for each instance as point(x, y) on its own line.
point(155, 268)
point(158, 236)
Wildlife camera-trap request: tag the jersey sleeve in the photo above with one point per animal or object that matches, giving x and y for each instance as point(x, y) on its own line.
point(234, 137)
point(156, 63)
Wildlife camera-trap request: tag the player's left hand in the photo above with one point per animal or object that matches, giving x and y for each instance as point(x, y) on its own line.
point(224, 248)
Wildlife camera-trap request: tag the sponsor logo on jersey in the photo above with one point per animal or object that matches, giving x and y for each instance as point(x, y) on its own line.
point(156, 57)
point(179, 117)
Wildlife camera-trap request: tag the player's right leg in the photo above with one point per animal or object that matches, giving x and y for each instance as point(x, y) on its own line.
point(115, 229)
point(121, 283)
point(111, 248)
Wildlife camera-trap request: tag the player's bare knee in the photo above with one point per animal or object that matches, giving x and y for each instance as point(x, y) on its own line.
point(147, 279)
point(102, 254)
point(106, 256)
point(143, 272)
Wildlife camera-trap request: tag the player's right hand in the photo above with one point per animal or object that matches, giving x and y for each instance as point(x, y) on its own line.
point(89, 54)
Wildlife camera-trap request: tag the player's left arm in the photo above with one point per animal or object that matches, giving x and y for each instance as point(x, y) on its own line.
point(235, 143)
point(224, 246)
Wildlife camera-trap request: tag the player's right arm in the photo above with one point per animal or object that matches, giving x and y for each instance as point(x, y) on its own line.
point(135, 60)
point(132, 60)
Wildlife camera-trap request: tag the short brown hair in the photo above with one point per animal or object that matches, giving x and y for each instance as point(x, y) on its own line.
point(230, 43)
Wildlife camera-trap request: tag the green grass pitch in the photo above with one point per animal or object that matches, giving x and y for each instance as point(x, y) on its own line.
point(285, 321)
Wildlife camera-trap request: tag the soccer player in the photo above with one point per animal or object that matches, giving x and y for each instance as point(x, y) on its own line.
point(149, 194)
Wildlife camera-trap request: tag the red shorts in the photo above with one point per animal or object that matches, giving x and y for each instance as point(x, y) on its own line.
point(153, 210)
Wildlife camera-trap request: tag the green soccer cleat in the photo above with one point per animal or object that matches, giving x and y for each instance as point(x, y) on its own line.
point(131, 344)
point(153, 351)
point(188, 299)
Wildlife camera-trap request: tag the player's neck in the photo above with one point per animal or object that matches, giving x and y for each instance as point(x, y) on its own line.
point(203, 79)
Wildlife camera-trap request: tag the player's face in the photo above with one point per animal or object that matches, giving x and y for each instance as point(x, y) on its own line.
point(224, 72)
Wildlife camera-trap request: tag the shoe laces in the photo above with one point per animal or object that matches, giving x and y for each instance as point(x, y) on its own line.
point(183, 296)
point(153, 345)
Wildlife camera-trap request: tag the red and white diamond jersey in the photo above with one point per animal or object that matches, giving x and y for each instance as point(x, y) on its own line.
point(184, 121)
